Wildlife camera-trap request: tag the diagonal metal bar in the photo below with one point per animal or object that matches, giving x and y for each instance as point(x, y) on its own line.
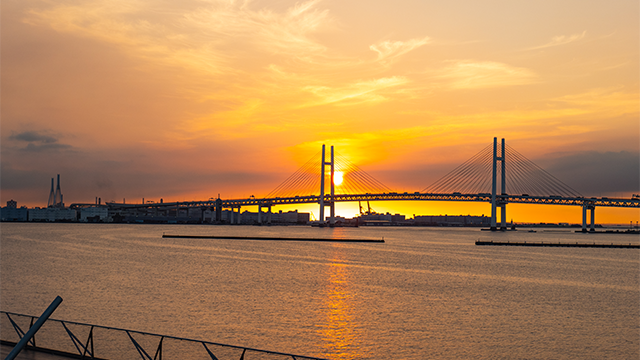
point(34, 329)
point(16, 327)
point(213, 357)
point(158, 355)
point(20, 332)
point(76, 342)
point(143, 354)
point(33, 339)
point(242, 356)
point(86, 347)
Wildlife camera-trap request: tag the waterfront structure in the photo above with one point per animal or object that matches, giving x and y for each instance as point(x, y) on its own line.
point(381, 219)
point(12, 213)
point(52, 214)
point(98, 213)
point(452, 220)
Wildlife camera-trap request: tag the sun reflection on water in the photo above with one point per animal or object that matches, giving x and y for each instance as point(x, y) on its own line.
point(339, 331)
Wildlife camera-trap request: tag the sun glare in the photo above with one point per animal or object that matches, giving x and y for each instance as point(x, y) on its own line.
point(337, 178)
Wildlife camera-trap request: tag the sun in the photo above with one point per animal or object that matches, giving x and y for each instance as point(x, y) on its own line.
point(337, 178)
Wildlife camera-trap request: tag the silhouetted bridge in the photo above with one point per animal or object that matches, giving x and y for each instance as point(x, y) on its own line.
point(482, 178)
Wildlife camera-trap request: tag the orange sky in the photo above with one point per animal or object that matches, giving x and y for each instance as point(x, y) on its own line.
point(185, 100)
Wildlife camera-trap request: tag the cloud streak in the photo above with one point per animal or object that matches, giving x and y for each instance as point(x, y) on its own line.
point(560, 40)
point(469, 74)
point(38, 141)
point(208, 36)
point(364, 91)
point(389, 51)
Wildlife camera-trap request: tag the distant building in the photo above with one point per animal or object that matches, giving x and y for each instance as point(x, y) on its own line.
point(13, 213)
point(98, 213)
point(452, 220)
point(381, 219)
point(289, 217)
point(52, 214)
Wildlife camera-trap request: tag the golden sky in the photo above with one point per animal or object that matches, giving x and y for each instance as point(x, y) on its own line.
point(183, 100)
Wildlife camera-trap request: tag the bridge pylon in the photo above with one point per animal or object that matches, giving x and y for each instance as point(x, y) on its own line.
point(322, 202)
point(495, 203)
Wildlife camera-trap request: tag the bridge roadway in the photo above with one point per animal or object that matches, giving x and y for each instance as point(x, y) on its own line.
point(392, 196)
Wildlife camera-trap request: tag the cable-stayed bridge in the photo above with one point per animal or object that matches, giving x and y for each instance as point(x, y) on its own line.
point(498, 174)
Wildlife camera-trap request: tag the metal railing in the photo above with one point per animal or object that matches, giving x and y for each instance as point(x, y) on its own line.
point(86, 341)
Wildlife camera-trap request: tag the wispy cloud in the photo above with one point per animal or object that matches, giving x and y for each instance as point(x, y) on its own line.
point(207, 36)
point(38, 141)
point(363, 91)
point(560, 40)
point(613, 101)
point(388, 51)
point(468, 74)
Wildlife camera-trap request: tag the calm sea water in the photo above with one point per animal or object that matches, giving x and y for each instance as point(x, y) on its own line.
point(424, 293)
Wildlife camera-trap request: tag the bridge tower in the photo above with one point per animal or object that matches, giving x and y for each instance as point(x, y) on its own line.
point(495, 203)
point(331, 203)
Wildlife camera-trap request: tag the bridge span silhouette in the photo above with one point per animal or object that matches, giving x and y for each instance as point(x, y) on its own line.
point(488, 177)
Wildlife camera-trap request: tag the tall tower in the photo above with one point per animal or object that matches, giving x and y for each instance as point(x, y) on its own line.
point(58, 195)
point(321, 200)
point(52, 196)
point(495, 203)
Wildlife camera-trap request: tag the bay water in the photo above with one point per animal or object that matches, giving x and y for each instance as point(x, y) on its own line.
point(425, 293)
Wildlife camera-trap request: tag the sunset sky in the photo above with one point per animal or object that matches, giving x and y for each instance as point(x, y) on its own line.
point(185, 100)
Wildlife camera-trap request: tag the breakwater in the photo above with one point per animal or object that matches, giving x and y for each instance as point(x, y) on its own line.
point(272, 238)
point(559, 244)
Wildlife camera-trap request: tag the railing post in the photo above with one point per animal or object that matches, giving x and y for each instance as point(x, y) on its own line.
point(32, 331)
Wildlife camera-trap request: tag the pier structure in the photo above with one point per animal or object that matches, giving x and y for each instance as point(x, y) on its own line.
point(260, 207)
point(60, 339)
point(591, 208)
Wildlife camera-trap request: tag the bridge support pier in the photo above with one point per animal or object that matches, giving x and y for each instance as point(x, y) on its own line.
point(503, 216)
point(233, 219)
point(592, 225)
point(260, 213)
